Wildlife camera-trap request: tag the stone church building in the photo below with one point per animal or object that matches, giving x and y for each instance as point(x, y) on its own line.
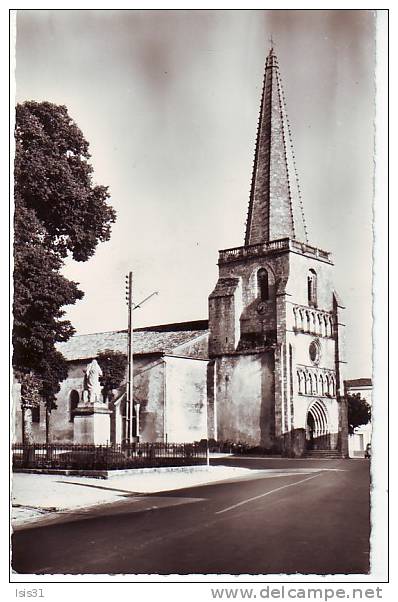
point(266, 369)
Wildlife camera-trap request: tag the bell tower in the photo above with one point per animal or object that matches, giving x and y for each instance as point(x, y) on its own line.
point(274, 318)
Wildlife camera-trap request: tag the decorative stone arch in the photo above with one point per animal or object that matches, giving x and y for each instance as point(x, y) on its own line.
point(315, 384)
point(301, 316)
point(295, 311)
point(254, 281)
point(325, 321)
point(332, 389)
point(328, 385)
point(317, 420)
point(321, 385)
point(74, 399)
point(301, 382)
point(307, 383)
point(310, 384)
point(307, 326)
point(329, 326)
point(313, 322)
point(321, 324)
point(263, 288)
point(271, 281)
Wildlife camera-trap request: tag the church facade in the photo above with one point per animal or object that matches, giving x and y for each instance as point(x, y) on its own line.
point(267, 369)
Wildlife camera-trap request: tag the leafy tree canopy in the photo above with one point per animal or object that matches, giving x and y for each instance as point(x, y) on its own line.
point(113, 365)
point(58, 212)
point(359, 412)
point(54, 179)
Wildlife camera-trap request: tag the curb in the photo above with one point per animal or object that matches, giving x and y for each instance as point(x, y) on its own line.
point(106, 474)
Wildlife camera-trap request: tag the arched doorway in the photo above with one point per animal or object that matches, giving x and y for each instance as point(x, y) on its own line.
point(74, 399)
point(317, 427)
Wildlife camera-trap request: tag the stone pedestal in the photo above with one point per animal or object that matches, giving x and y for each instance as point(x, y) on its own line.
point(92, 424)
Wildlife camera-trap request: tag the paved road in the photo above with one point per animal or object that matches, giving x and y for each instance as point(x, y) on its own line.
point(308, 516)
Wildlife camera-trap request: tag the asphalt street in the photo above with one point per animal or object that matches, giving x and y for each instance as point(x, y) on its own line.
point(305, 516)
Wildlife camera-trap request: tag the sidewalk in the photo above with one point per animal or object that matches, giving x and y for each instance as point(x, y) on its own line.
point(37, 495)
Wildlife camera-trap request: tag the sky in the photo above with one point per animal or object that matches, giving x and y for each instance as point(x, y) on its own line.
point(169, 102)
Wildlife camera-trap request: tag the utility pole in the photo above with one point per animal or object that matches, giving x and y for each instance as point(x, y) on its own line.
point(129, 435)
point(129, 392)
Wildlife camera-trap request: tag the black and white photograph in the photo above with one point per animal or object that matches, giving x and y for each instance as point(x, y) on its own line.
point(193, 385)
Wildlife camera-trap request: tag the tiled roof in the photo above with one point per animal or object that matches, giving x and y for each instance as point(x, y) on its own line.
point(358, 382)
point(87, 346)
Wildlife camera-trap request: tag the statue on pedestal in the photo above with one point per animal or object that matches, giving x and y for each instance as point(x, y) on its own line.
point(91, 382)
point(91, 425)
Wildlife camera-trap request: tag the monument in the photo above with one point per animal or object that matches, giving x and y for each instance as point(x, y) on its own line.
point(92, 416)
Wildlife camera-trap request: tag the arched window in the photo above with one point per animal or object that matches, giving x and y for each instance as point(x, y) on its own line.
point(301, 382)
point(321, 385)
point(312, 288)
point(310, 384)
point(315, 385)
point(332, 386)
point(307, 383)
point(327, 386)
point(331, 327)
point(301, 319)
point(262, 284)
point(321, 325)
point(74, 399)
point(326, 326)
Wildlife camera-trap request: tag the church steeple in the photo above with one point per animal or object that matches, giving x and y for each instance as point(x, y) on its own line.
point(275, 208)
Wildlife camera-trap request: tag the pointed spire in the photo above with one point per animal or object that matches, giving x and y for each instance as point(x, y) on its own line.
point(275, 208)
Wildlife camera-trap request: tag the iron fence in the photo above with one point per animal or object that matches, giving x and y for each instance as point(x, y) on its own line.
point(107, 457)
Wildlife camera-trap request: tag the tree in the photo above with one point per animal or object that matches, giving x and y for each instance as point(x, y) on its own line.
point(30, 398)
point(59, 213)
point(358, 412)
point(113, 365)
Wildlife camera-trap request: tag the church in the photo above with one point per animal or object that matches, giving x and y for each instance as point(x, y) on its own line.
point(267, 367)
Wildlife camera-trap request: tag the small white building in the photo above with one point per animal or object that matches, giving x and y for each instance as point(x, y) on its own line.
point(358, 441)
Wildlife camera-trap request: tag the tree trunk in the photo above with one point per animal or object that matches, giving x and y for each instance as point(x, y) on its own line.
point(48, 416)
point(27, 425)
point(27, 436)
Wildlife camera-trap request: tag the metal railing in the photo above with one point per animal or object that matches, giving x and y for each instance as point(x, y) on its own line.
point(107, 457)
